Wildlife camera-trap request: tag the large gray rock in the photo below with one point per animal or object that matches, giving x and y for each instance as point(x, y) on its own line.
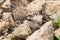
point(7, 16)
point(44, 33)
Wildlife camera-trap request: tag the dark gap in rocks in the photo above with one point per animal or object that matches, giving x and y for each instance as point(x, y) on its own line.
point(45, 17)
point(17, 38)
point(1, 32)
point(10, 29)
point(29, 0)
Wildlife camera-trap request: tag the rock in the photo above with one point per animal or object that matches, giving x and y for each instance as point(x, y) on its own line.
point(6, 4)
point(57, 32)
point(22, 31)
point(5, 37)
point(1, 1)
point(35, 6)
point(34, 26)
point(44, 33)
point(24, 2)
point(55, 17)
point(7, 16)
point(52, 9)
point(19, 10)
point(4, 25)
point(1, 37)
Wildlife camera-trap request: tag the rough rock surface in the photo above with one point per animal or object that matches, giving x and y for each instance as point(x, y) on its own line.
point(6, 16)
point(52, 9)
point(4, 25)
point(35, 5)
point(22, 31)
point(29, 19)
point(6, 4)
point(57, 32)
point(44, 33)
point(1, 1)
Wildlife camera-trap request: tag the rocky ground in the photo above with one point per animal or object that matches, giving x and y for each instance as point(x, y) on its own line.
point(29, 19)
